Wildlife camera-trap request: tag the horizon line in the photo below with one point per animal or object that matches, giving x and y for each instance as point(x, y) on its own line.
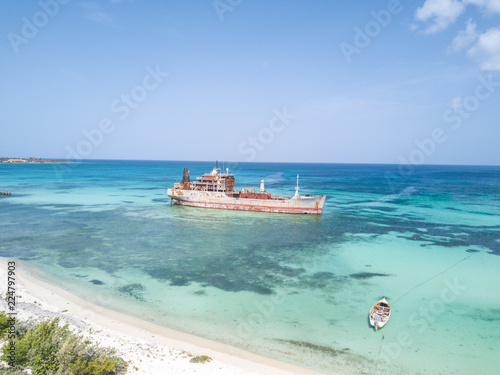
point(258, 162)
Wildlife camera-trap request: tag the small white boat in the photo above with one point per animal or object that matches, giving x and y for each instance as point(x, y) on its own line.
point(380, 314)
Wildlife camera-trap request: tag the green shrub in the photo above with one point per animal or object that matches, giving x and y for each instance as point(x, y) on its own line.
point(4, 324)
point(94, 366)
point(12, 371)
point(69, 352)
point(50, 349)
point(200, 359)
point(22, 327)
point(39, 346)
point(78, 356)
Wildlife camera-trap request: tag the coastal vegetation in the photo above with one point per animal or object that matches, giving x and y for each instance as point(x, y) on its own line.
point(4, 324)
point(49, 348)
point(31, 161)
point(200, 359)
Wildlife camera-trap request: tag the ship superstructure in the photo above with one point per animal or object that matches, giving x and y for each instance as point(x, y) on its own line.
point(216, 190)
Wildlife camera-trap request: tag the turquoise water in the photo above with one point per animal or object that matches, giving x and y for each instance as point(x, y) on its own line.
point(292, 287)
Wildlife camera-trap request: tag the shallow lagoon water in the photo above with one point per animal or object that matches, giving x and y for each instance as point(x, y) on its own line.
point(294, 287)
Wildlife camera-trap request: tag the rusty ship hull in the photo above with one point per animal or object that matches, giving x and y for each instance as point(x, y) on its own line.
point(216, 190)
point(299, 205)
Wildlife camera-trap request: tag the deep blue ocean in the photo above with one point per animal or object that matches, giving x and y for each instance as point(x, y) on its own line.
point(297, 288)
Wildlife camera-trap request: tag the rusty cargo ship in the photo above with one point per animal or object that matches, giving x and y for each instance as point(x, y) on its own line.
point(216, 190)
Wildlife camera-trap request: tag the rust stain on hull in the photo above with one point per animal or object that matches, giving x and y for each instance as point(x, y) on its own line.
point(242, 207)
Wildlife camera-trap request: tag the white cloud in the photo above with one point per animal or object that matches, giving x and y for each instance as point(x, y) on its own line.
point(491, 6)
point(482, 47)
point(441, 13)
point(101, 17)
point(487, 50)
point(465, 37)
point(94, 13)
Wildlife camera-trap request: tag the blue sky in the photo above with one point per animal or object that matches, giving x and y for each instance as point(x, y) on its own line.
point(414, 81)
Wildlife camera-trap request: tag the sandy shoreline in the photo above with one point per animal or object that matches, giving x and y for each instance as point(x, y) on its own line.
point(148, 348)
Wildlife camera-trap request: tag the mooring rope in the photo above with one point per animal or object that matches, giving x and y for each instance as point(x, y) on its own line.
point(433, 277)
point(412, 289)
point(380, 349)
point(378, 356)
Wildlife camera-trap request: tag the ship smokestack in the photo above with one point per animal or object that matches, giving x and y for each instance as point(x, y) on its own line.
point(262, 186)
point(185, 176)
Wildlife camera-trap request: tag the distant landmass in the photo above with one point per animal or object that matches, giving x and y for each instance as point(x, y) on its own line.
point(31, 161)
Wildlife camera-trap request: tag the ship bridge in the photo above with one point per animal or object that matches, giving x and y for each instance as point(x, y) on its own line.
point(215, 181)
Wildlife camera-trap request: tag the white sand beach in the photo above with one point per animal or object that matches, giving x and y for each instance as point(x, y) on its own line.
point(149, 349)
